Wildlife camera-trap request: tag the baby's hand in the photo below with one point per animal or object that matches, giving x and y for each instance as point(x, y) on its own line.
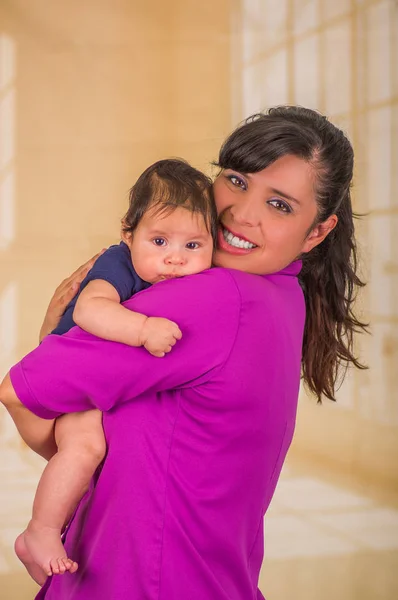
point(159, 335)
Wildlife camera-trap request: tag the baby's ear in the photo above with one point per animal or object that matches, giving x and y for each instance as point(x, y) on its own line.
point(125, 235)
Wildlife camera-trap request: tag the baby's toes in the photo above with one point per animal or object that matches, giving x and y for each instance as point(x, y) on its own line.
point(62, 567)
point(74, 567)
point(54, 566)
point(67, 562)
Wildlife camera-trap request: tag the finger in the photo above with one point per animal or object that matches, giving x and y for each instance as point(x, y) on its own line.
point(71, 284)
point(82, 271)
point(84, 268)
point(178, 333)
point(168, 349)
point(63, 300)
point(73, 280)
point(89, 263)
point(60, 290)
point(156, 353)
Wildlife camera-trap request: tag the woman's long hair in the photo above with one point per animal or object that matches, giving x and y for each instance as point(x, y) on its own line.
point(329, 275)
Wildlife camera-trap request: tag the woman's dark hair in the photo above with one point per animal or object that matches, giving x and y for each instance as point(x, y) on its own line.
point(329, 274)
point(167, 185)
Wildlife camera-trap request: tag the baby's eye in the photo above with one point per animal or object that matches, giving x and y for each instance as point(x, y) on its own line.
point(237, 181)
point(192, 245)
point(159, 242)
point(280, 205)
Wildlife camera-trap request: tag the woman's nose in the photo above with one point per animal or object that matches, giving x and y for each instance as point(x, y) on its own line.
point(246, 212)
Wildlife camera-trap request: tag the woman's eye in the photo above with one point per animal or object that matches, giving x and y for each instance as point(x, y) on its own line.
point(159, 241)
point(237, 181)
point(280, 205)
point(192, 245)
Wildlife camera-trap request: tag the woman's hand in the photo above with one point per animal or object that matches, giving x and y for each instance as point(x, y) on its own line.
point(64, 293)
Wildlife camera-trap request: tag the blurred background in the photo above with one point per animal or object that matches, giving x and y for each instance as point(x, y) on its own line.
point(93, 92)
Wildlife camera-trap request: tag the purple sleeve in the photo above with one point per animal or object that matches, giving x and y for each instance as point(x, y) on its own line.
point(78, 371)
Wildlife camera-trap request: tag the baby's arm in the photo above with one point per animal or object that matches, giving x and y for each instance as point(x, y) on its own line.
point(98, 311)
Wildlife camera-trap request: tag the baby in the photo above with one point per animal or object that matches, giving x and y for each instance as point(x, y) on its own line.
point(168, 231)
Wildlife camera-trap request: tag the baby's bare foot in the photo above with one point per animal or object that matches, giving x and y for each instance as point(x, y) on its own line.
point(36, 573)
point(59, 566)
point(46, 549)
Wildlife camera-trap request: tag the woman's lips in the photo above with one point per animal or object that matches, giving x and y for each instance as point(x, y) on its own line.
point(226, 247)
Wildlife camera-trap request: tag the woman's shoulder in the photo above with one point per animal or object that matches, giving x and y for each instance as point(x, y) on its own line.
point(205, 283)
point(271, 292)
point(216, 277)
point(202, 296)
point(219, 276)
point(244, 284)
point(213, 286)
point(219, 286)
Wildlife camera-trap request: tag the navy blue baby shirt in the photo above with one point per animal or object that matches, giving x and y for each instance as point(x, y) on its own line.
point(115, 267)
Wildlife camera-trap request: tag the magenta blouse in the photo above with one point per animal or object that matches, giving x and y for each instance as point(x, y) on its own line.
point(196, 440)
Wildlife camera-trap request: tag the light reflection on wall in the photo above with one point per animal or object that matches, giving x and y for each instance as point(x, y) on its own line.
point(7, 140)
point(8, 287)
point(8, 336)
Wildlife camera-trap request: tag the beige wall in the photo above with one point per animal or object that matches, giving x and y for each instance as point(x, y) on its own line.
point(94, 93)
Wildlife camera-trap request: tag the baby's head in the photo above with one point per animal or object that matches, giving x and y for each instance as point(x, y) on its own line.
point(171, 224)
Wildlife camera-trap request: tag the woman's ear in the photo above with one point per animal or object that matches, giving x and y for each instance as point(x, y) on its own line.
point(318, 234)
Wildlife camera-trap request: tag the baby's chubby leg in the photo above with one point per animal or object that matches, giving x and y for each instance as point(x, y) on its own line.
point(81, 448)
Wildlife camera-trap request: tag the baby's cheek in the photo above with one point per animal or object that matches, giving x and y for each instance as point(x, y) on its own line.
point(142, 267)
point(151, 269)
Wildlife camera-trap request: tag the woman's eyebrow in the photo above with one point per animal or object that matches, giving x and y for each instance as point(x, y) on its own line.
point(279, 193)
point(274, 190)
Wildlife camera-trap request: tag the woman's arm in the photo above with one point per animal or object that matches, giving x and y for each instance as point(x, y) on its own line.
point(77, 371)
point(37, 433)
point(98, 311)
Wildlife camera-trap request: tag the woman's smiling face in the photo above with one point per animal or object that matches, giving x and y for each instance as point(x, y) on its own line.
point(267, 218)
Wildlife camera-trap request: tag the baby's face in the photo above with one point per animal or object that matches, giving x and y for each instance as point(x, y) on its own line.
point(169, 245)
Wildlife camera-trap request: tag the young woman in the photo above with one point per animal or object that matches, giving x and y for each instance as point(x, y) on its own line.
point(196, 441)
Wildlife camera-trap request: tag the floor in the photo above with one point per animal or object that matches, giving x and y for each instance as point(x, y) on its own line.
point(325, 539)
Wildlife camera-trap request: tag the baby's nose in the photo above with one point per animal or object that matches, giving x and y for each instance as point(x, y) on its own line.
point(176, 258)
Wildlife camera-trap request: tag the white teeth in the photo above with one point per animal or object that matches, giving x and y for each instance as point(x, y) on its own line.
point(233, 240)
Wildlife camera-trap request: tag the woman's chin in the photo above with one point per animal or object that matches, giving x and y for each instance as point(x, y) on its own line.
point(226, 260)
